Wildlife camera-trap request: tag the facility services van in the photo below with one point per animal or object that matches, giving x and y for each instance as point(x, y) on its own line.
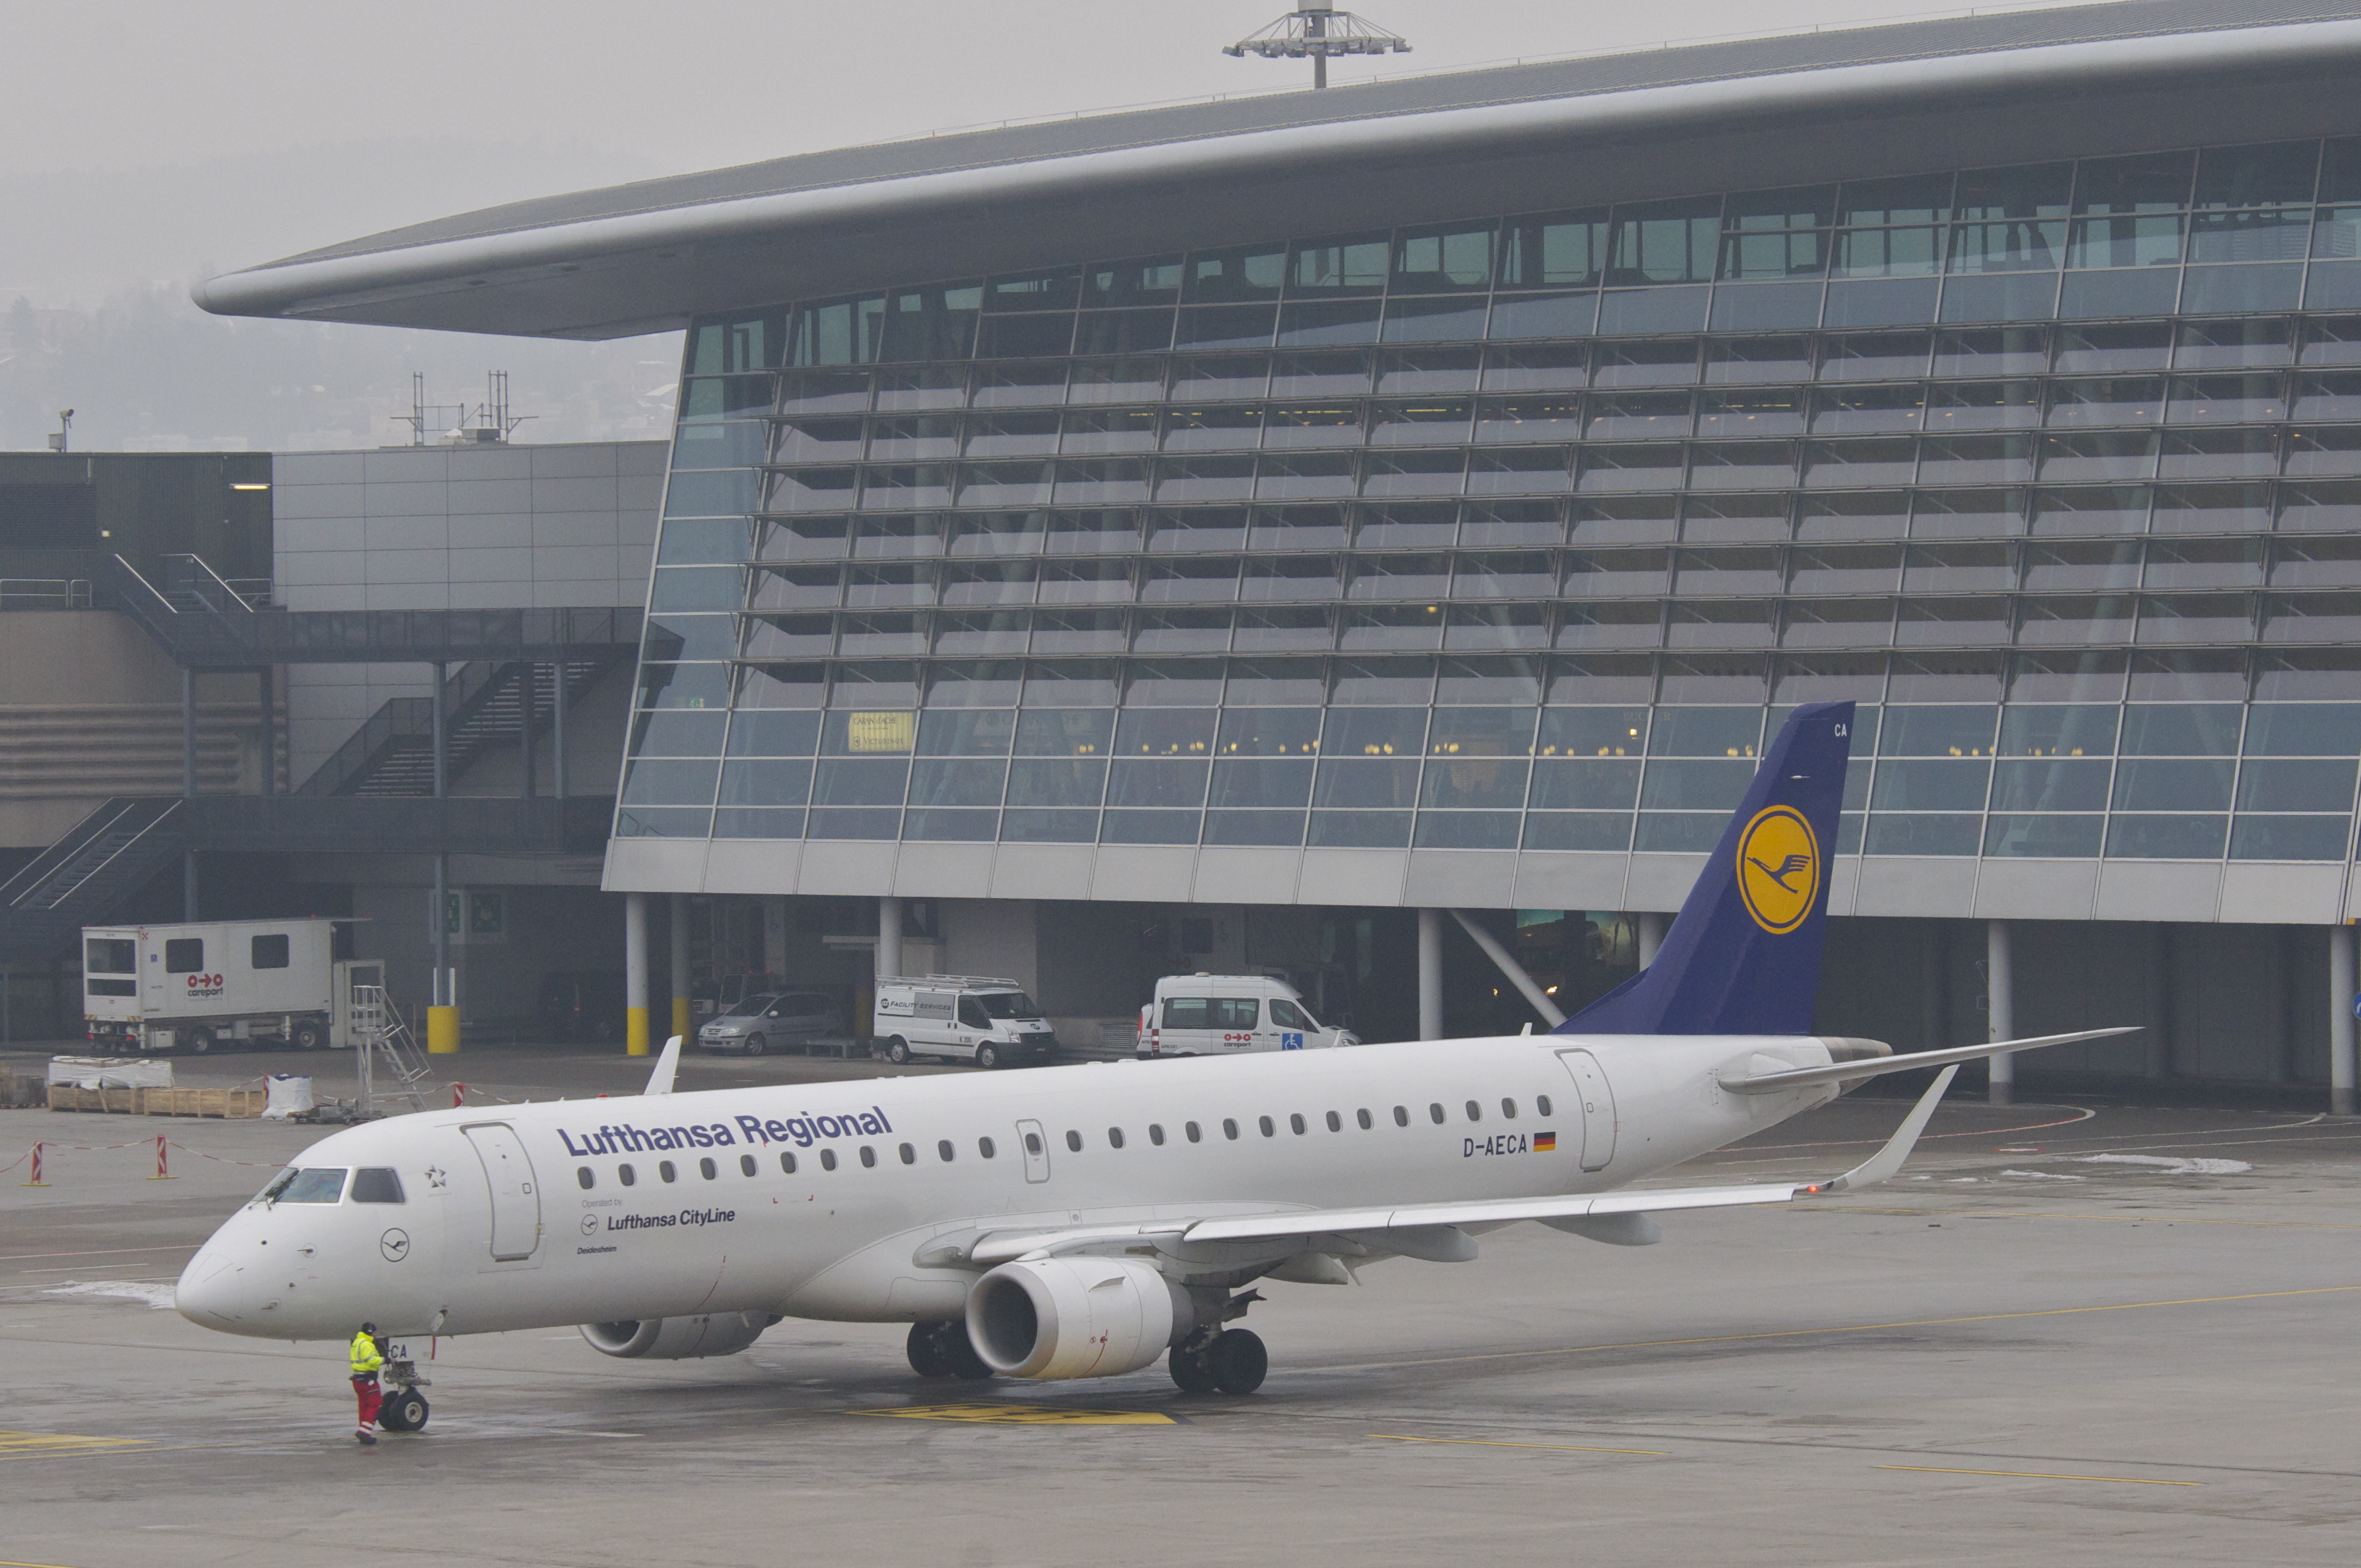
point(190, 987)
point(960, 1017)
point(1226, 1014)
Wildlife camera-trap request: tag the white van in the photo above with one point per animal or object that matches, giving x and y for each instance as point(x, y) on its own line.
point(1222, 1014)
point(960, 1017)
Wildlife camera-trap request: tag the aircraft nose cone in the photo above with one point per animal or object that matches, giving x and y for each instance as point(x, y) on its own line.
point(208, 1294)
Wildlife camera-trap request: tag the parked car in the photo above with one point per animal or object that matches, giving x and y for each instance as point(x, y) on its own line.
point(772, 1021)
point(581, 1004)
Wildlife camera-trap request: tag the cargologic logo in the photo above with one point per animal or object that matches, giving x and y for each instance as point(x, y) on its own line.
point(1778, 868)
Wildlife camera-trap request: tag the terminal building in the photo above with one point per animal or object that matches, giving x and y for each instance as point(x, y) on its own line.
point(1236, 536)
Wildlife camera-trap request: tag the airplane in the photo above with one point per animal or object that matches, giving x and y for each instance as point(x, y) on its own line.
point(1085, 1220)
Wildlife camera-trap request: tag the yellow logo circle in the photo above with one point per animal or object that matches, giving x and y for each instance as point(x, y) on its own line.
point(1778, 868)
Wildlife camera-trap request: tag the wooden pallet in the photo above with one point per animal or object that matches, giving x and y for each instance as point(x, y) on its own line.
point(228, 1103)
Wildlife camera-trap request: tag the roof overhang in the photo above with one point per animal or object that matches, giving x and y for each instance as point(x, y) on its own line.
point(650, 265)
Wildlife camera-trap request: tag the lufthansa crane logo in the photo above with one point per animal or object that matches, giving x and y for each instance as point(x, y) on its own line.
point(1778, 868)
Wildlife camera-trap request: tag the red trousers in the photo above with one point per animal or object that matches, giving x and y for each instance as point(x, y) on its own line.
point(371, 1396)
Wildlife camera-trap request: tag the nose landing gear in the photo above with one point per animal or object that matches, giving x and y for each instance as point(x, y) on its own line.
point(404, 1408)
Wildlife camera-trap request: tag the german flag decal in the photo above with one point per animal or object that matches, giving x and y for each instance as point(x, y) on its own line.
point(1544, 1143)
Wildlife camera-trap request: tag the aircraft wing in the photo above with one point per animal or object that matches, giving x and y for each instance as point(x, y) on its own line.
point(1432, 1230)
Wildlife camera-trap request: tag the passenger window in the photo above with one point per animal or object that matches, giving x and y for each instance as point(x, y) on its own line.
point(1190, 1130)
point(909, 1154)
point(1115, 1137)
point(1235, 1012)
point(827, 1159)
point(1401, 1115)
point(1073, 1140)
point(1435, 1111)
point(266, 952)
point(1229, 1129)
point(1336, 1122)
point(983, 1147)
point(1188, 1013)
point(184, 955)
point(626, 1174)
point(665, 1169)
point(1268, 1129)
point(375, 1184)
point(944, 1148)
point(1541, 1103)
point(1362, 1117)
point(868, 1157)
point(786, 1163)
point(584, 1180)
point(1508, 1110)
point(746, 1165)
point(1032, 1143)
point(1156, 1134)
point(1295, 1121)
point(1474, 1112)
point(708, 1169)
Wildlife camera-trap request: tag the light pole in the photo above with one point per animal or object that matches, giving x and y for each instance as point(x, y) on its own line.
point(65, 428)
point(1318, 31)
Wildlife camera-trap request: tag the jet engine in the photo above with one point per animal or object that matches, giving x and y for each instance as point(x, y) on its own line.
point(677, 1339)
point(1075, 1317)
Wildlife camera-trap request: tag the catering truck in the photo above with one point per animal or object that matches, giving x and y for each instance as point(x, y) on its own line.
point(1226, 1014)
point(190, 987)
point(960, 1017)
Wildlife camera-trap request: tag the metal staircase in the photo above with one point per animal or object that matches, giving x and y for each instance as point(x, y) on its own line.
point(77, 880)
point(394, 752)
point(380, 1035)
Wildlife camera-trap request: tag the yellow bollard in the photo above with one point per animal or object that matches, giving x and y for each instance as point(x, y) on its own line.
point(635, 1031)
point(680, 1016)
point(442, 1030)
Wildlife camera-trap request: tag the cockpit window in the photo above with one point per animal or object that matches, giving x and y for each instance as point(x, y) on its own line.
point(322, 1186)
point(375, 1184)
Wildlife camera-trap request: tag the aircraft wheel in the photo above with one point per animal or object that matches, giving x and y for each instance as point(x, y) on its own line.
point(897, 1050)
point(964, 1362)
point(1189, 1373)
point(755, 1045)
point(1237, 1360)
point(987, 1056)
point(929, 1350)
point(404, 1410)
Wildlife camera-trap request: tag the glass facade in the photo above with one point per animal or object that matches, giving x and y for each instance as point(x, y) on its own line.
point(1520, 533)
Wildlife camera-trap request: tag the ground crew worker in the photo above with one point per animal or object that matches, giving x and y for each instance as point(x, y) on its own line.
point(366, 1358)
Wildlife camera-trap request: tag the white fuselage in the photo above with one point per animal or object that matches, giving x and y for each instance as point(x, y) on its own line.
point(576, 1245)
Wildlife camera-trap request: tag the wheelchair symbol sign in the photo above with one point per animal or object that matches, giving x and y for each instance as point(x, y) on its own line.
point(1291, 1042)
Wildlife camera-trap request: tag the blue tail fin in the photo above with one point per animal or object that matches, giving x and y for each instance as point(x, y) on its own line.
point(1744, 957)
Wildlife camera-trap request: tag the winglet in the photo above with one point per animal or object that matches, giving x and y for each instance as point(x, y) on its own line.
point(1878, 1167)
point(659, 1081)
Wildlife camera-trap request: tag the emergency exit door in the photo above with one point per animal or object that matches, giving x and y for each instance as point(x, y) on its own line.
point(516, 1197)
point(1598, 1101)
point(1036, 1145)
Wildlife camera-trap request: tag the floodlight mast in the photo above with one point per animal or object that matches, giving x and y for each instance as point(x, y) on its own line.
point(1318, 31)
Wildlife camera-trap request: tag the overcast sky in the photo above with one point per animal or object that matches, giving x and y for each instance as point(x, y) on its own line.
point(145, 141)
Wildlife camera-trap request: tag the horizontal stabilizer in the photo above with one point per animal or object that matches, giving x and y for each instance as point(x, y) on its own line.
point(1853, 1071)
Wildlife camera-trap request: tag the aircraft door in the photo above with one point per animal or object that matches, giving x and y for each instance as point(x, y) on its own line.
point(1598, 1101)
point(516, 1197)
point(1036, 1145)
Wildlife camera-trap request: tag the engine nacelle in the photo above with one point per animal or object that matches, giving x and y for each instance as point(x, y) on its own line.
point(1075, 1317)
point(678, 1338)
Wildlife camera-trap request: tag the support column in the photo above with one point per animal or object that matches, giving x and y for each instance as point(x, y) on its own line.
point(264, 680)
point(1652, 937)
point(2158, 1040)
point(635, 974)
point(2000, 1009)
point(2341, 1025)
point(188, 787)
point(680, 966)
point(442, 1009)
point(1430, 974)
point(557, 735)
point(528, 689)
point(889, 937)
point(442, 741)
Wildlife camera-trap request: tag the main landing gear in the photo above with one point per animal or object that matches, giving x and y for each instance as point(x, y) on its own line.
point(1231, 1362)
point(404, 1409)
point(943, 1350)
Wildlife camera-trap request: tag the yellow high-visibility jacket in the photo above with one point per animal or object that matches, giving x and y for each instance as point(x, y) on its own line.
point(366, 1359)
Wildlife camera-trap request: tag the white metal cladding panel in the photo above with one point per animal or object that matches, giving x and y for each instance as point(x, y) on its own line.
point(2277, 893)
point(1927, 888)
point(1143, 873)
point(769, 865)
point(1246, 876)
point(2035, 890)
point(1571, 879)
point(654, 865)
point(1352, 876)
point(1040, 870)
point(841, 867)
point(1478, 879)
point(2158, 890)
point(943, 871)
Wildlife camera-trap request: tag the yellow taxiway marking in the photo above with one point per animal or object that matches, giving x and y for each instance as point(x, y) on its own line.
point(21, 1444)
point(11, 1563)
point(1024, 1415)
point(2041, 1475)
point(1550, 1447)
